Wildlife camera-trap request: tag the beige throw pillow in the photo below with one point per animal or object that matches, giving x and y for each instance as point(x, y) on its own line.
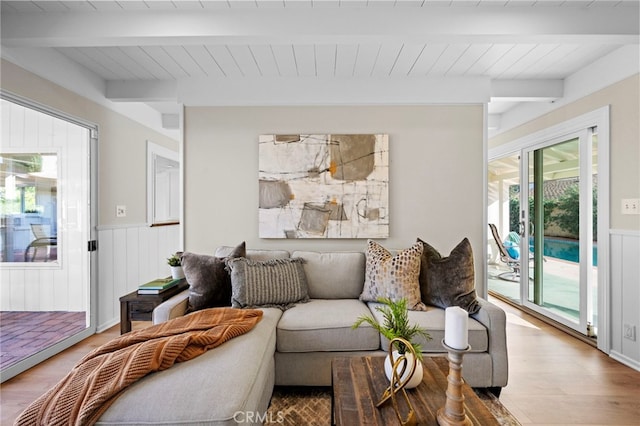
point(393, 276)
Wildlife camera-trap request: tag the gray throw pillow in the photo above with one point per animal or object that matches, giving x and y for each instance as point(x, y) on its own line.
point(272, 283)
point(209, 281)
point(448, 281)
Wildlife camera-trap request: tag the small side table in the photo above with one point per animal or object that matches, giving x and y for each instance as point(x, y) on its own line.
point(139, 307)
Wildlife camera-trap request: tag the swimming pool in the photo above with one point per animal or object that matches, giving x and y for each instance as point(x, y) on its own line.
point(566, 249)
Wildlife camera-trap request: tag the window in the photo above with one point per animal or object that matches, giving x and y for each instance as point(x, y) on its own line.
point(29, 207)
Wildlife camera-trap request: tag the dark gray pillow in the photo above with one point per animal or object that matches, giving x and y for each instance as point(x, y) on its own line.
point(448, 281)
point(272, 283)
point(209, 281)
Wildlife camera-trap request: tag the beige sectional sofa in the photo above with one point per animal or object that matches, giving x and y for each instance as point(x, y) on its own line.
point(233, 383)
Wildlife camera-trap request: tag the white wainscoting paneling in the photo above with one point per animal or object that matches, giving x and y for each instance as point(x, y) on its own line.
point(625, 296)
point(127, 257)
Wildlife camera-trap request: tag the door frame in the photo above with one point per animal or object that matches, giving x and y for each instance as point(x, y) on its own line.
point(597, 118)
point(58, 347)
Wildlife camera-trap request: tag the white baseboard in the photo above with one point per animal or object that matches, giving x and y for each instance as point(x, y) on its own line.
point(625, 360)
point(107, 325)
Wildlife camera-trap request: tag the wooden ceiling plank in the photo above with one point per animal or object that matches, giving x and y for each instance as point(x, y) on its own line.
point(509, 58)
point(146, 61)
point(448, 59)
point(224, 59)
point(386, 59)
point(407, 58)
point(185, 61)
point(166, 61)
point(266, 61)
point(205, 60)
point(346, 56)
point(365, 59)
point(325, 60)
point(305, 58)
point(470, 57)
point(521, 67)
point(428, 58)
point(285, 60)
point(245, 60)
point(134, 69)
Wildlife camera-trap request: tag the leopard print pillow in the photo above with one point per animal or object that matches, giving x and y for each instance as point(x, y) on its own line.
point(393, 275)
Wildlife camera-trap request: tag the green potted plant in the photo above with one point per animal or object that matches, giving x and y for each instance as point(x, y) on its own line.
point(396, 324)
point(176, 267)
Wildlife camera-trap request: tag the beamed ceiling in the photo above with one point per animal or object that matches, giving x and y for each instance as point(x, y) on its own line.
point(315, 52)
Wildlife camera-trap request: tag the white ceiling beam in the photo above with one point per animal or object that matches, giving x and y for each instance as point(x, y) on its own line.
point(526, 90)
point(319, 25)
point(141, 90)
point(333, 91)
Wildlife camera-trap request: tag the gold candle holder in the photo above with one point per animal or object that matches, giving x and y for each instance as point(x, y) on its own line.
point(453, 413)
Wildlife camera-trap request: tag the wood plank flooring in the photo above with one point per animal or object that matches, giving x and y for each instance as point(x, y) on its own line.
point(554, 379)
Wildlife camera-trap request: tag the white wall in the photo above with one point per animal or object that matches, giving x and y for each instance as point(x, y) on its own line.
point(436, 173)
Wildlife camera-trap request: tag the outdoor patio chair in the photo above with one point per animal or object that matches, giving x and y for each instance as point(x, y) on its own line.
point(42, 240)
point(514, 264)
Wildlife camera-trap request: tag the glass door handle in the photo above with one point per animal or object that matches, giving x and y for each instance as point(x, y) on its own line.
point(521, 228)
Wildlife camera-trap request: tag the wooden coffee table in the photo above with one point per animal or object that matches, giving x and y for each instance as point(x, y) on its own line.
point(358, 384)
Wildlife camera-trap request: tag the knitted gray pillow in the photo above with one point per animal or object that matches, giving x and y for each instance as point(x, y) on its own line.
point(209, 282)
point(272, 283)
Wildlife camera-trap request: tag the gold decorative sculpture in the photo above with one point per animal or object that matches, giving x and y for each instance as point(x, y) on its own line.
point(397, 385)
point(453, 413)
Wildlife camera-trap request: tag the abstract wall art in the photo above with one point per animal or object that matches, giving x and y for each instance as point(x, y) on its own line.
point(324, 186)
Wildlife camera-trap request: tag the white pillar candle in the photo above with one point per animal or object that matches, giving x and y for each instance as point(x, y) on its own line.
point(456, 328)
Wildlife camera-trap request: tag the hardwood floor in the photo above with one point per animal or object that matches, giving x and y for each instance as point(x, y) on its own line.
point(554, 379)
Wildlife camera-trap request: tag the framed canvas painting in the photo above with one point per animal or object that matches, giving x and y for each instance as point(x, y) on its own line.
point(324, 186)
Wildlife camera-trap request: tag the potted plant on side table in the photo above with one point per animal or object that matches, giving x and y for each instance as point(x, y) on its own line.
point(176, 267)
point(396, 325)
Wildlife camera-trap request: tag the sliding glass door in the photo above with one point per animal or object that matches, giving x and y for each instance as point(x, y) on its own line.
point(559, 229)
point(542, 215)
point(47, 215)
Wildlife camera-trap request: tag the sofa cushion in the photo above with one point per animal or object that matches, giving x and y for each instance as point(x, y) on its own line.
point(394, 276)
point(209, 282)
point(275, 282)
point(254, 254)
point(333, 275)
point(432, 320)
point(448, 281)
point(324, 326)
